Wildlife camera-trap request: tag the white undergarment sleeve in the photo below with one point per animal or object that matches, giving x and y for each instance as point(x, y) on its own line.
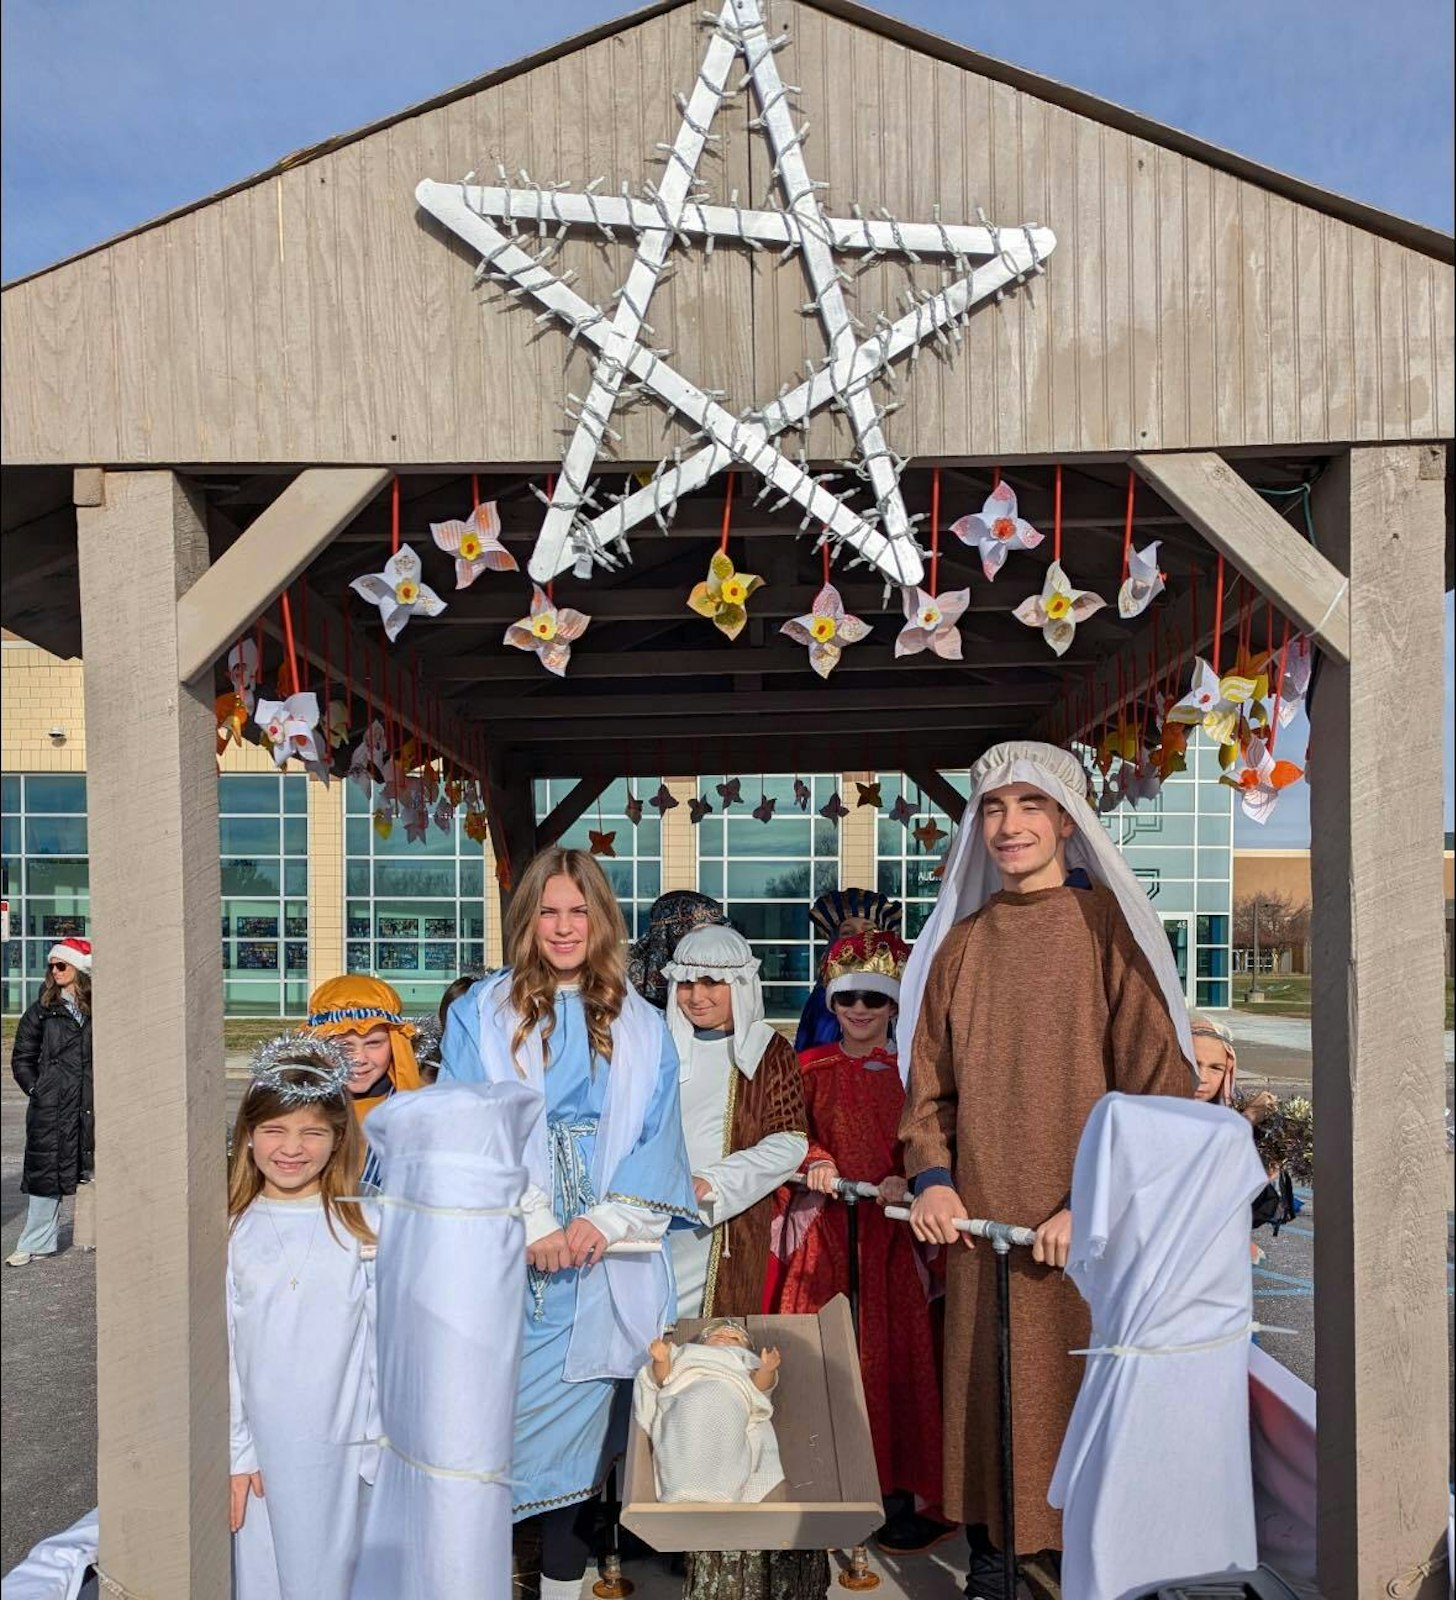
point(618, 1221)
point(539, 1217)
point(745, 1177)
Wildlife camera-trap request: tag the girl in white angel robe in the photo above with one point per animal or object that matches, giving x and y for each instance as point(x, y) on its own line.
point(743, 1121)
point(705, 1406)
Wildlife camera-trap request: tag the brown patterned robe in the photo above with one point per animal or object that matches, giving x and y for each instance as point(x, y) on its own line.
point(772, 1101)
point(1034, 1008)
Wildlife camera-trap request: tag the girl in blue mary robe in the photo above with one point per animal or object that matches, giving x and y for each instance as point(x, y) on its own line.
point(609, 1147)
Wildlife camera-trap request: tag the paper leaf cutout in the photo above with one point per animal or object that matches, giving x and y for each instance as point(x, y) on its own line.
point(633, 809)
point(764, 810)
point(698, 808)
point(663, 801)
point(869, 795)
point(1058, 609)
point(602, 844)
point(1143, 584)
point(399, 592)
point(477, 827)
point(826, 630)
point(930, 623)
point(801, 794)
point(475, 544)
point(549, 630)
point(902, 811)
point(1294, 684)
point(231, 711)
point(834, 808)
point(336, 724)
point(383, 822)
point(722, 597)
point(244, 669)
point(929, 834)
point(997, 528)
point(731, 793)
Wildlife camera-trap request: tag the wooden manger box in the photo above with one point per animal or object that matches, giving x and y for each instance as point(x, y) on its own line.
point(830, 1496)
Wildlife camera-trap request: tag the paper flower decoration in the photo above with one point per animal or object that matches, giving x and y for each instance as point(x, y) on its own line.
point(444, 814)
point(475, 544)
point(336, 724)
point(383, 821)
point(663, 801)
point(1213, 703)
point(930, 623)
point(698, 808)
point(366, 765)
point(231, 711)
point(1170, 755)
point(997, 528)
point(1261, 781)
point(1058, 609)
point(722, 597)
point(1146, 782)
point(244, 669)
point(477, 826)
point(549, 630)
point(416, 818)
point(290, 727)
point(902, 811)
point(801, 794)
point(764, 810)
point(731, 793)
point(929, 834)
point(826, 630)
point(602, 844)
point(633, 809)
point(1143, 584)
point(1294, 681)
point(399, 591)
point(833, 809)
point(869, 795)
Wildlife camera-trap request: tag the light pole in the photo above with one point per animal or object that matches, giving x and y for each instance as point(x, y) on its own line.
point(1255, 992)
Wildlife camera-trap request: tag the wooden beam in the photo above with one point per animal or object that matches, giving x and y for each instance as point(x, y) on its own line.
point(269, 555)
point(1381, 1169)
point(701, 728)
point(510, 798)
point(802, 703)
point(569, 809)
point(941, 790)
point(1270, 553)
point(161, 1334)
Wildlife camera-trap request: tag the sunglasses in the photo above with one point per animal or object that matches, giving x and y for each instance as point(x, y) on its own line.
point(58, 966)
point(870, 999)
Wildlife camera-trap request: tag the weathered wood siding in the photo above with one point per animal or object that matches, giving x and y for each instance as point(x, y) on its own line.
point(318, 317)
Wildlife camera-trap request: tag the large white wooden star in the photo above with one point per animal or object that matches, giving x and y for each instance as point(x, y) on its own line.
point(577, 528)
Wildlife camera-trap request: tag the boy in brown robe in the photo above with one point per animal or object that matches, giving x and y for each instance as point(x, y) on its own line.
point(1031, 1008)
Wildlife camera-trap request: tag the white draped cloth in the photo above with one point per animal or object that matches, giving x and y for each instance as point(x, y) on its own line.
point(55, 1568)
point(1154, 1479)
point(451, 1280)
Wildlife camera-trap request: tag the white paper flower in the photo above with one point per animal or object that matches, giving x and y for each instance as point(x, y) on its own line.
point(1213, 703)
point(1294, 681)
point(1144, 582)
point(290, 727)
point(930, 623)
point(475, 544)
point(826, 630)
point(1058, 609)
point(399, 592)
point(1261, 781)
point(549, 630)
point(244, 669)
point(997, 528)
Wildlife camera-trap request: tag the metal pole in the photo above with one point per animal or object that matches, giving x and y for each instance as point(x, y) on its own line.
point(851, 1206)
point(1002, 1246)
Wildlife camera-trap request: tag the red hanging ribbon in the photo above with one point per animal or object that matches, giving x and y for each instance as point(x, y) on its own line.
point(934, 533)
point(1057, 517)
point(727, 514)
point(1218, 618)
point(1127, 525)
point(995, 479)
point(394, 515)
point(288, 640)
point(825, 549)
point(1279, 687)
point(348, 665)
point(474, 490)
point(328, 666)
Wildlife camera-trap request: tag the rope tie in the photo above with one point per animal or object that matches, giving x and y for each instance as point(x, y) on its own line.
point(1179, 1349)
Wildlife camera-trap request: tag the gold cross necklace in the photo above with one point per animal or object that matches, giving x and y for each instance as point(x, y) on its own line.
point(293, 1277)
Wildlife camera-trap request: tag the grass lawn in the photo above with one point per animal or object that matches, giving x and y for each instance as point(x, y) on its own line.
point(239, 1034)
point(1288, 995)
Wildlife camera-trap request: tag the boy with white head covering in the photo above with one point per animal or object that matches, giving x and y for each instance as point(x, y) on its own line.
point(1026, 999)
point(743, 1120)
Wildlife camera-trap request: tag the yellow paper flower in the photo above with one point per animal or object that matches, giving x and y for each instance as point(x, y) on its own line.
point(544, 627)
point(826, 630)
point(722, 596)
point(469, 547)
point(822, 629)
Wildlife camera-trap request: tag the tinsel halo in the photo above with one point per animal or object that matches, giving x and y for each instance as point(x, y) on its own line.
point(297, 1082)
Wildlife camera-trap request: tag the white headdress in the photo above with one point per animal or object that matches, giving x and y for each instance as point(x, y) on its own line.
point(971, 877)
point(722, 953)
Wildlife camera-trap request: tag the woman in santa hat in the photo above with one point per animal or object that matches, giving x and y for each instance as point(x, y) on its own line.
point(51, 1062)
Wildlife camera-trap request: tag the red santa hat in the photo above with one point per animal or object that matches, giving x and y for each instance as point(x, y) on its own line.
point(74, 952)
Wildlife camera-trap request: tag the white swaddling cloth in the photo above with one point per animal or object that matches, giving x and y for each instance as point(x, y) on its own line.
point(711, 1427)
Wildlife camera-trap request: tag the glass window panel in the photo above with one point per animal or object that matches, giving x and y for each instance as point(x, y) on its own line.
point(472, 877)
point(391, 956)
point(295, 875)
point(356, 920)
point(252, 919)
point(765, 919)
point(781, 961)
point(1215, 832)
point(1215, 895)
point(241, 998)
point(10, 836)
point(295, 919)
point(1158, 828)
point(649, 880)
point(295, 836)
point(772, 880)
point(425, 878)
point(356, 836)
point(249, 836)
point(295, 998)
point(59, 879)
point(56, 791)
point(247, 792)
point(1213, 993)
point(10, 792)
point(357, 957)
point(295, 795)
point(399, 843)
point(356, 878)
point(55, 836)
point(256, 955)
point(296, 955)
point(710, 878)
point(252, 878)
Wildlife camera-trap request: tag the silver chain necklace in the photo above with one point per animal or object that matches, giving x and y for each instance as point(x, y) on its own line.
point(293, 1277)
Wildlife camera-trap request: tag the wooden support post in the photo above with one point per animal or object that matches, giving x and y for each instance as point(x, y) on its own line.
point(941, 790)
point(1379, 1081)
point(161, 1339)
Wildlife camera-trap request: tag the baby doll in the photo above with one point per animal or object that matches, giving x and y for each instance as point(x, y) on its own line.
point(705, 1406)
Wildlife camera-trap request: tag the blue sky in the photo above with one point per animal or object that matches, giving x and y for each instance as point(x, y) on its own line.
point(117, 110)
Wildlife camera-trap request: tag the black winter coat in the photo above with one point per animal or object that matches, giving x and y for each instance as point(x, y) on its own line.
point(51, 1061)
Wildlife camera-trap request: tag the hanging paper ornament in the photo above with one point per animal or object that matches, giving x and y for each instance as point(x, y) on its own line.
point(663, 801)
point(902, 811)
point(366, 765)
point(722, 597)
point(633, 809)
point(869, 795)
point(826, 630)
point(1261, 781)
point(833, 809)
point(416, 819)
point(336, 724)
point(1170, 754)
point(549, 630)
point(244, 669)
point(444, 814)
point(731, 792)
point(383, 822)
point(1146, 782)
point(930, 623)
point(929, 834)
point(801, 794)
point(1058, 609)
point(475, 544)
point(1293, 681)
point(1144, 582)
point(996, 529)
point(231, 711)
point(477, 826)
point(939, 870)
point(399, 592)
point(602, 844)
point(290, 727)
point(1213, 703)
point(764, 810)
point(698, 808)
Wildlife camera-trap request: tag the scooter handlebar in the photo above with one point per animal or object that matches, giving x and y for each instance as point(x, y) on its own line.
point(978, 1227)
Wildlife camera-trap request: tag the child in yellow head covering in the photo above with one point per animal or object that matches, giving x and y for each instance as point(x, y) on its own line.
point(364, 1015)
